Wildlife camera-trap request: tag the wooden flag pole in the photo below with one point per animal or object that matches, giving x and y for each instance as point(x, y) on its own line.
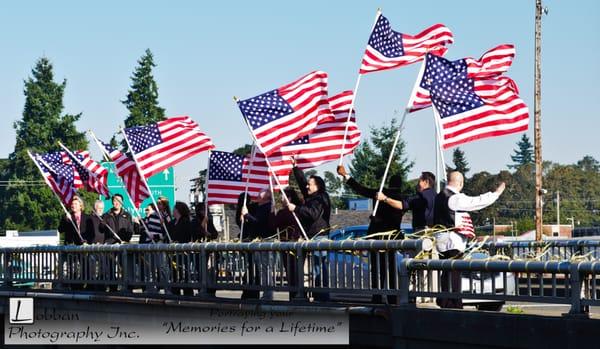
point(162, 221)
point(353, 99)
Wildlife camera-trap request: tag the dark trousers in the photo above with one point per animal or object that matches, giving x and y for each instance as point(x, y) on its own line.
point(450, 282)
point(251, 277)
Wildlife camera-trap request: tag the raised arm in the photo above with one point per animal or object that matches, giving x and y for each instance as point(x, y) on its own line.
point(463, 202)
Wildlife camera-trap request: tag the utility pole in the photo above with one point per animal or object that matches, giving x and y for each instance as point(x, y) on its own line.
point(537, 110)
point(558, 210)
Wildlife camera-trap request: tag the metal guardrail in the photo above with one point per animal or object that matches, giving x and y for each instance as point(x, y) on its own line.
point(365, 268)
point(553, 249)
point(558, 282)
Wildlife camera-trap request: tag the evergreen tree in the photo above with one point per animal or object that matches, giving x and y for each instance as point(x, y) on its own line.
point(460, 162)
point(589, 164)
point(524, 153)
point(370, 158)
point(40, 129)
point(142, 97)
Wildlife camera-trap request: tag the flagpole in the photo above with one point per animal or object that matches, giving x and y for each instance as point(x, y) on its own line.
point(107, 157)
point(252, 153)
point(439, 150)
point(206, 188)
point(162, 221)
point(271, 171)
point(56, 195)
point(378, 13)
point(81, 164)
point(389, 162)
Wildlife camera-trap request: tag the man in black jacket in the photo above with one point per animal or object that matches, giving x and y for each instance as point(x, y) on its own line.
point(119, 227)
point(314, 216)
point(387, 220)
point(421, 205)
point(119, 222)
point(315, 212)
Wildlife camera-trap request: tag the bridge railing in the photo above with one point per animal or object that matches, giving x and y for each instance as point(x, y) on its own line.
point(359, 268)
point(362, 267)
point(546, 250)
point(555, 282)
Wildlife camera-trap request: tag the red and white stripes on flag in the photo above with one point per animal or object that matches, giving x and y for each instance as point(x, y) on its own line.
point(161, 145)
point(324, 144)
point(126, 169)
point(280, 116)
point(229, 174)
point(97, 176)
point(63, 188)
point(499, 111)
point(494, 62)
point(464, 224)
point(388, 49)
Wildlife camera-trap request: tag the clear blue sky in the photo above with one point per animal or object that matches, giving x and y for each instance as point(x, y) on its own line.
point(209, 51)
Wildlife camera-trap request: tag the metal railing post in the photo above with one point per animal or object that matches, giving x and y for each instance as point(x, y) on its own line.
point(124, 272)
point(203, 271)
point(404, 283)
point(7, 270)
point(575, 287)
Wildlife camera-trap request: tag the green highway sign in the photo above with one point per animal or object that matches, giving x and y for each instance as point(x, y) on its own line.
point(161, 184)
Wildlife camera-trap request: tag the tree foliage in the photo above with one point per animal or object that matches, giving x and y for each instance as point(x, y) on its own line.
point(370, 158)
point(142, 97)
point(26, 206)
point(523, 154)
point(579, 186)
point(460, 162)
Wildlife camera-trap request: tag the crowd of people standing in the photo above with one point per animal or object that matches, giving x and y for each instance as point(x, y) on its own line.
point(299, 216)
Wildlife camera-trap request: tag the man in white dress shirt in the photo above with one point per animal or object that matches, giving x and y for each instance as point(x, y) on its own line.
point(451, 211)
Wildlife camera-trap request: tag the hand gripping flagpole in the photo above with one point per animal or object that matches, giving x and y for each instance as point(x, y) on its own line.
point(271, 171)
point(68, 214)
point(406, 111)
point(389, 162)
point(252, 154)
point(107, 158)
point(162, 221)
point(353, 99)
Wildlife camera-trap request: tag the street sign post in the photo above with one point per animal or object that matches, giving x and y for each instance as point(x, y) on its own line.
point(161, 184)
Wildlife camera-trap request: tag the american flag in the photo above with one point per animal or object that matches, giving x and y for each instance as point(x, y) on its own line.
point(166, 143)
point(464, 224)
point(470, 109)
point(282, 115)
point(388, 49)
point(324, 144)
point(59, 178)
point(126, 169)
point(493, 63)
point(228, 174)
point(91, 173)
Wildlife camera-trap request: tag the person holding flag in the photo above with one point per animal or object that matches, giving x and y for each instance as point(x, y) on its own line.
point(451, 210)
point(314, 216)
point(384, 224)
